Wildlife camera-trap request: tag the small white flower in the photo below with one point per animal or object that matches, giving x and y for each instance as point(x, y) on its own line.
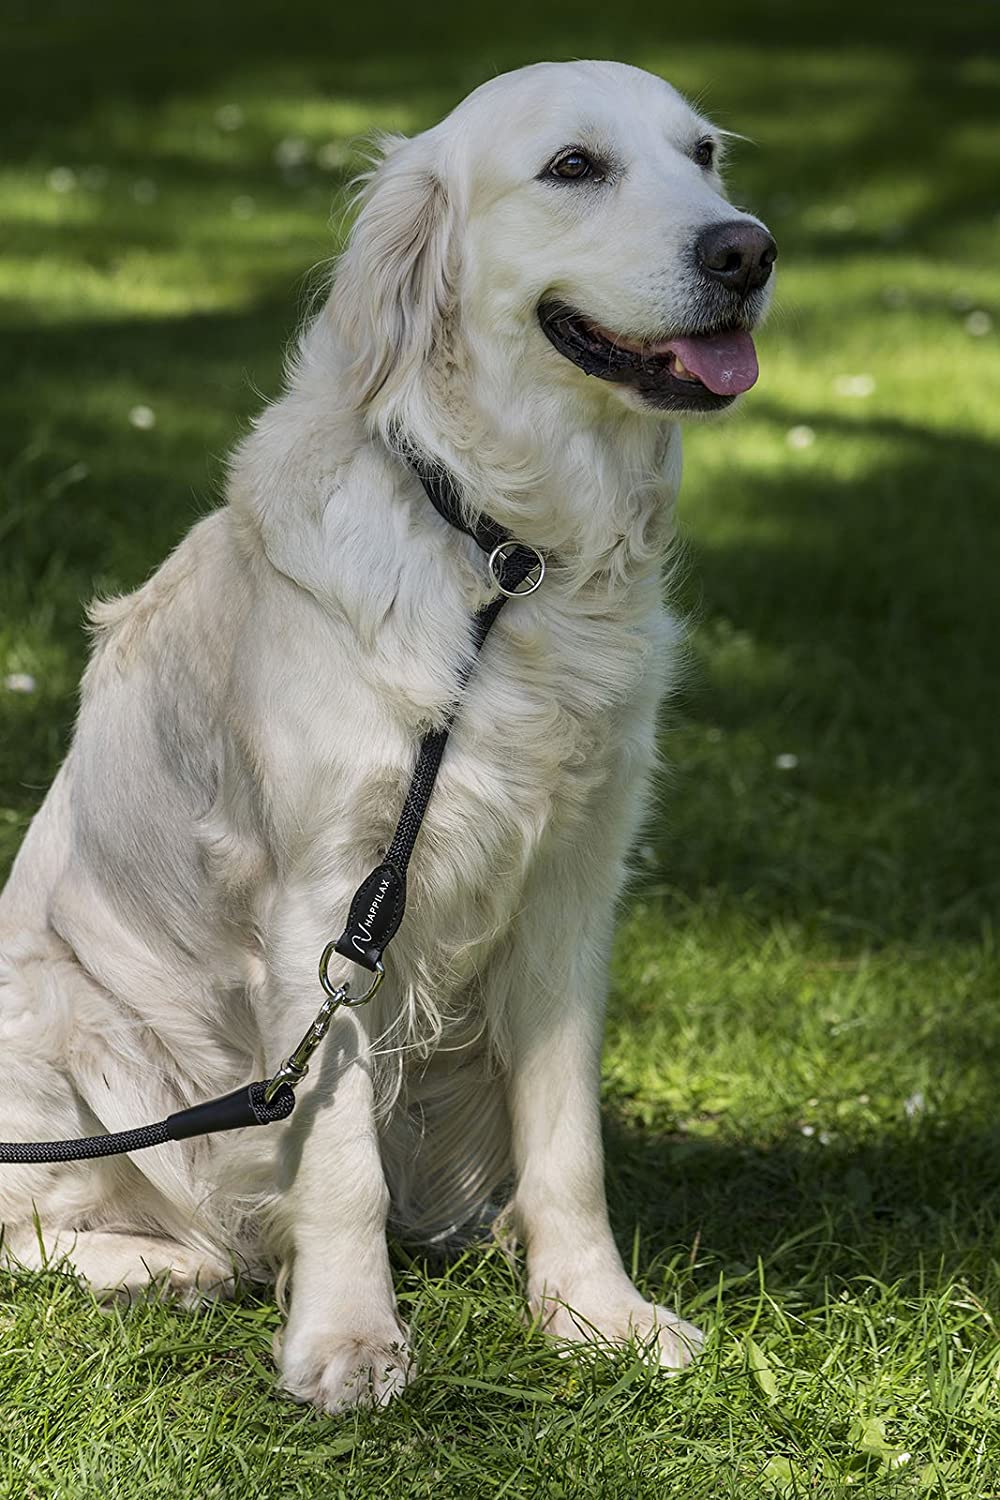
point(978, 323)
point(843, 217)
point(825, 1138)
point(854, 385)
point(291, 152)
point(808, 1129)
point(19, 682)
point(333, 155)
point(864, 1099)
point(800, 437)
point(914, 1105)
point(243, 207)
point(786, 761)
point(143, 417)
point(61, 179)
point(144, 190)
point(229, 117)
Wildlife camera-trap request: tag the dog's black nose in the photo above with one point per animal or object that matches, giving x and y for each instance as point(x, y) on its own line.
point(738, 254)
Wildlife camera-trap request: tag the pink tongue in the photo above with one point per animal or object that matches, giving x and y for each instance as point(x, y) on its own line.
point(725, 362)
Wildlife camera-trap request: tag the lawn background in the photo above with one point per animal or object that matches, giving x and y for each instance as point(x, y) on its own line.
point(800, 1079)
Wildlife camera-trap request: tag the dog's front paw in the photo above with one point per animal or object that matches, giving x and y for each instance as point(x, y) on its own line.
point(338, 1370)
point(614, 1313)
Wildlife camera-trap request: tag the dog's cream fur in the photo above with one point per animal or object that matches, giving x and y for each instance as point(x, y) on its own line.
point(249, 722)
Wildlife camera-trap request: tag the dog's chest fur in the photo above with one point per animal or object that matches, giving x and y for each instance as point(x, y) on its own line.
point(555, 706)
point(562, 694)
point(354, 647)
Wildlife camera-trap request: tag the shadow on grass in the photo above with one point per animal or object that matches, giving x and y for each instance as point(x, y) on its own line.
point(850, 623)
point(920, 1206)
point(206, 47)
point(906, 125)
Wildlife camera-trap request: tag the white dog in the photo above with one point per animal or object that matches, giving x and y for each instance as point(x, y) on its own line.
point(534, 292)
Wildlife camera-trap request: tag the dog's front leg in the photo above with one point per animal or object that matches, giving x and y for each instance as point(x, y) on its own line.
point(554, 992)
point(344, 1344)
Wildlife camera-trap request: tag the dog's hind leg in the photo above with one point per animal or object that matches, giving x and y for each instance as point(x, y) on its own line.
point(120, 1224)
point(101, 1218)
point(121, 1265)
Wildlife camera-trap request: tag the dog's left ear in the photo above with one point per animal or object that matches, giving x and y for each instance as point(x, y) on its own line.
point(395, 280)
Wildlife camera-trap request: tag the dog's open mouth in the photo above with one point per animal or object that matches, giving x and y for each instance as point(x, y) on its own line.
point(686, 372)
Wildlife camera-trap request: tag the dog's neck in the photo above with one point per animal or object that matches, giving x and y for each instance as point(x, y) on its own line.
point(593, 486)
point(569, 469)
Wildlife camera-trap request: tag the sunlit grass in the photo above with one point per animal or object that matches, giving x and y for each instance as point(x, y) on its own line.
point(800, 1073)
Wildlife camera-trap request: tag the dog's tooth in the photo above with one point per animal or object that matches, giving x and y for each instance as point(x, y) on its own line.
point(680, 369)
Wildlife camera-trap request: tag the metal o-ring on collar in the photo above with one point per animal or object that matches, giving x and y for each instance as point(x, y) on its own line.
point(528, 584)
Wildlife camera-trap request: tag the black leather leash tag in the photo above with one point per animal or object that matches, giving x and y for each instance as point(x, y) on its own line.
point(376, 912)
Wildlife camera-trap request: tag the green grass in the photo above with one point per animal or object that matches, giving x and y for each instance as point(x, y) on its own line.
point(800, 1080)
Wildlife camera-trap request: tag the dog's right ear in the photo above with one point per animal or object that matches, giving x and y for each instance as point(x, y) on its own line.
point(395, 279)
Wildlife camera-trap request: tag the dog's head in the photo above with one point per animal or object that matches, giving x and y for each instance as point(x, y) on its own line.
point(565, 221)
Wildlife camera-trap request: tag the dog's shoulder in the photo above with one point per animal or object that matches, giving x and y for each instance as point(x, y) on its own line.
point(200, 566)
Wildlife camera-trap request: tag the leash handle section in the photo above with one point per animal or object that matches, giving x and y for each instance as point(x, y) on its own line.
point(254, 1104)
point(246, 1106)
point(378, 904)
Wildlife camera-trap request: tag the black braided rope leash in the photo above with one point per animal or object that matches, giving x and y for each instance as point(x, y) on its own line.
point(246, 1106)
point(377, 906)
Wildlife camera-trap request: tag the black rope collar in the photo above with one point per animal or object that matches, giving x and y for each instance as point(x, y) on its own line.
point(378, 904)
point(442, 493)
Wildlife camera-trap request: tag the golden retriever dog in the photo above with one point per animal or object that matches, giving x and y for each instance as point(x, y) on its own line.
point(535, 294)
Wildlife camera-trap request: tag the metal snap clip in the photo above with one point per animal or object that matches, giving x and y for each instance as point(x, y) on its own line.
point(296, 1065)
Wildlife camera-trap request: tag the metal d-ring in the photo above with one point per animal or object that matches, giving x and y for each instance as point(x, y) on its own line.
point(338, 992)
point(505, 551)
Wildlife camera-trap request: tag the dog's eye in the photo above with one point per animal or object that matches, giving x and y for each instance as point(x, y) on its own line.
point(704, 153)
point(572, 164)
